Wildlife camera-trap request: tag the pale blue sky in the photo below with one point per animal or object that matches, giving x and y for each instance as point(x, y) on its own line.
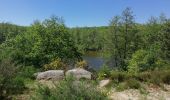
point(79, 12)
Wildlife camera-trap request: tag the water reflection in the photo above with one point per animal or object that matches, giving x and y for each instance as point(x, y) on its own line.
point(94, 61)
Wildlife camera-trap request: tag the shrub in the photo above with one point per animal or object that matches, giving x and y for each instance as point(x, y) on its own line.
point(144, 76)
point(129, 84)
point(156, 77)
point(133, 84)
point(121, 87)
point(55, 65)
point(10, 83)
point(166, 77)
point(15, 85)
point(28, 72)
point(104, 72)
point(82, 64)
point(69, 89)
point(137, 62)
point(143, 60)
point(119, 76)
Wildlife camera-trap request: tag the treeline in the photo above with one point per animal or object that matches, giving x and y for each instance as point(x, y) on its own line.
point(89, 38)
point(8, 31)
point(128, 43)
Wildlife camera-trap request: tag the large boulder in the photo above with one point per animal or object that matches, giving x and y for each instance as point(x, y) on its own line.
point(79, 73)
point(51, 75)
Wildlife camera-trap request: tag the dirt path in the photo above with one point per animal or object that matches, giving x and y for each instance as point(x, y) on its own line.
point(151, 93)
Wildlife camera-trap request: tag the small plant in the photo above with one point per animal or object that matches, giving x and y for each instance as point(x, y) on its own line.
point(133, 84)
point(82, 64)
point(121, 86)
point(55, 65)
point(104, 72)
point(119, 76)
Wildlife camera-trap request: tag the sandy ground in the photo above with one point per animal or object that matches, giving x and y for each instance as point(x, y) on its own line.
point(151, 93)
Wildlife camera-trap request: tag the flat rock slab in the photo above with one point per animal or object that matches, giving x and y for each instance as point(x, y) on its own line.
point(51, 75)
point(79, 73)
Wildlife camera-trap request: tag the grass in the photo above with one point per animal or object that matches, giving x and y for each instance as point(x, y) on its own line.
point(69, 89)
point(124, 80)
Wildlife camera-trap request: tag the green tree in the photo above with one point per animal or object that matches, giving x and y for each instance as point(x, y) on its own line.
point(165, 39)
point(43, 42)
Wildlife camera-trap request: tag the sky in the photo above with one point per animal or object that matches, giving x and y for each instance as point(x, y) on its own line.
point(79, 13)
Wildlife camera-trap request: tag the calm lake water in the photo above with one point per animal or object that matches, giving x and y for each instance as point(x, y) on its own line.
point(94, 60)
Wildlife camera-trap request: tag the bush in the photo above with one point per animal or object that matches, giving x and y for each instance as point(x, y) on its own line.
point(143, 60)
point(15, 85)
point(28, 72)
point(119, 76)
point(166, 78)
point(82, 64)
point(121, 87)
point(144, 76)
point(10, 82)
point(104, 72)
point(156, 77)
point(129, 84)
point(133, 84)
point(55, 65)
point(70, 90)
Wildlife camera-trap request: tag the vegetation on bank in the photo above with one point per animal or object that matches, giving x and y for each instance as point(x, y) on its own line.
point(135, 53)
point(69, 89)
point(126, 80)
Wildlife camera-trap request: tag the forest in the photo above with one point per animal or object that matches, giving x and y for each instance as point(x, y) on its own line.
point(139, 53)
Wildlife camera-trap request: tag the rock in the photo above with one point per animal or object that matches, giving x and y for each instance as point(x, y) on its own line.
point(103, 83)
point(79, 73)
point(36, 74)
point(51, 75)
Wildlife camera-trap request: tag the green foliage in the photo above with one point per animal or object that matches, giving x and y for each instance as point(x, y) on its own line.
point(43, 42)
point(104, 72)
point(119, 76)
point(129, 84)
point(69, 89)
point(28, 72)
point(137, 62)
point(155, 77)
point(8, 31)
point(89, 38)
point(55, 65)
point(165, 39)
point(10, 82)
point(133, 84)
point(166, 77)
point(143, 60)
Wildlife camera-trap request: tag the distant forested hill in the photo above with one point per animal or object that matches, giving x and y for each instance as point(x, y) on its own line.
point(8, 31)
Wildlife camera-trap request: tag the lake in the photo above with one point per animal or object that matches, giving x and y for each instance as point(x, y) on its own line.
point(94, 60)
